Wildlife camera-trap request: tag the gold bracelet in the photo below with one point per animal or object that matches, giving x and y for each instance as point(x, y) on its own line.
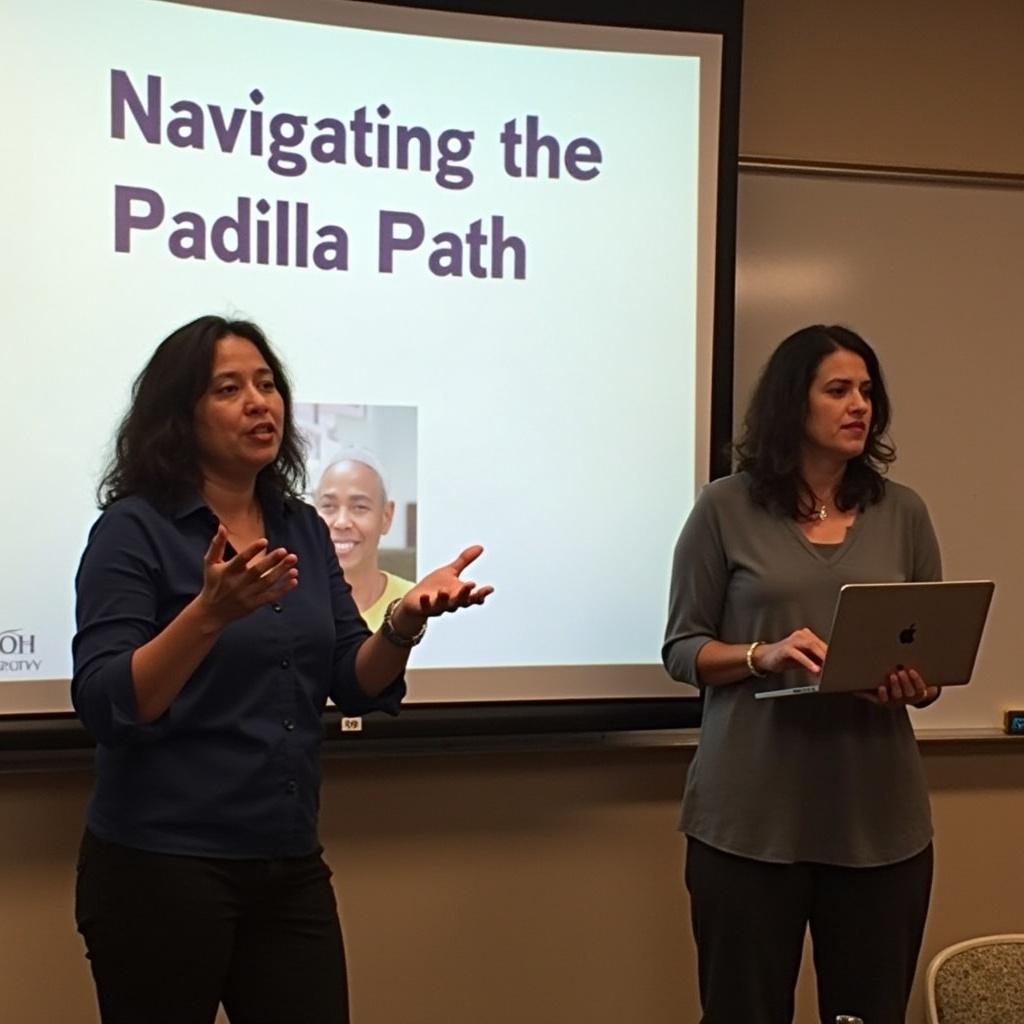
point(750, 660)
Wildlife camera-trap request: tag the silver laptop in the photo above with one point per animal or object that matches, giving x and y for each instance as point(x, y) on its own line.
point(879, 627)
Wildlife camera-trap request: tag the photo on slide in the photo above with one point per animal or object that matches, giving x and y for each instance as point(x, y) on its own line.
point(361, 478)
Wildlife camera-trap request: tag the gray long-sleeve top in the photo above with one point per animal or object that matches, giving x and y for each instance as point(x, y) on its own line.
point(831, 779)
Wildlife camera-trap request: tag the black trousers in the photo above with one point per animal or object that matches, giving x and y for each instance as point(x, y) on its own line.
point(169, 938)
point(749, 921)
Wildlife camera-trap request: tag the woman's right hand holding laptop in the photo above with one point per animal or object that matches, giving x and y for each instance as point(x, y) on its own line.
point(904, 686)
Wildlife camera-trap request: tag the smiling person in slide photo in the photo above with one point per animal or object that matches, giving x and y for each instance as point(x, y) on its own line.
point(352, 499)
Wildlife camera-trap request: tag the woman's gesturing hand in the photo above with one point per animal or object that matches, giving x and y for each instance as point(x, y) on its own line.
point(235, 587)
point(443, 590)
point(801, 649)
point(382, 657)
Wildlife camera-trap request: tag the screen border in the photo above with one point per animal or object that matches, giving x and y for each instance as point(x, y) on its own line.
point(441, 725)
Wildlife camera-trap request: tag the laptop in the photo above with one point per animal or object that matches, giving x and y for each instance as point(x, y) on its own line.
point(879, 627)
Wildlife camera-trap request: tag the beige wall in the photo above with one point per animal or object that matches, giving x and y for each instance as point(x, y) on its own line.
point(502, 888)
point(926, 83)
point(545, 887)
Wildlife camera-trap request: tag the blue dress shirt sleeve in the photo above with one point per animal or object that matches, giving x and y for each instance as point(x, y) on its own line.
point(116, 612)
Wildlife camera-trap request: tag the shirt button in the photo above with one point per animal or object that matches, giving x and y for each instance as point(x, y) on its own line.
point(289, 724)
point(277, 607)
point(292, 786)
point(285, 663)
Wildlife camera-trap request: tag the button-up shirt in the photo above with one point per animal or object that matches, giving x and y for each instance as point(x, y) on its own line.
point(231, 769)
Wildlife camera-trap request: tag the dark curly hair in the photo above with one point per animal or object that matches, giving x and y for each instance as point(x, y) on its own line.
point(770, 444)
point(155, 450)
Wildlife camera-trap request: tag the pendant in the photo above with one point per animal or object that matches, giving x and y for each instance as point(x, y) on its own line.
point(822, 512)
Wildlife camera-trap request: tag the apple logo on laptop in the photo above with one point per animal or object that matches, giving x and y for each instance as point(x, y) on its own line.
point(907, 635)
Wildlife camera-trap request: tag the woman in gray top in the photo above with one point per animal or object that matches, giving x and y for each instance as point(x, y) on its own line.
point(810, 811)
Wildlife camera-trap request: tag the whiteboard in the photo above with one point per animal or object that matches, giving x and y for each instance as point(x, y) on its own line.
point(930, 273)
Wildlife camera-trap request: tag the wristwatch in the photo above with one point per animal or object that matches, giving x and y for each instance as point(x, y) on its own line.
point(393, 635)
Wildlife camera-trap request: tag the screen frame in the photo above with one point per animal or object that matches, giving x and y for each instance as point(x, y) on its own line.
point(448, 723)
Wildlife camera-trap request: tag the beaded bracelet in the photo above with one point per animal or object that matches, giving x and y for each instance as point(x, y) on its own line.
point(392, 634)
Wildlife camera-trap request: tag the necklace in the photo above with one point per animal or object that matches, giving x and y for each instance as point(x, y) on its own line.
point(819, 509)
point(819, 506)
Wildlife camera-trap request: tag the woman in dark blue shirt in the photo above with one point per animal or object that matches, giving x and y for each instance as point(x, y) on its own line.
point(213, 624)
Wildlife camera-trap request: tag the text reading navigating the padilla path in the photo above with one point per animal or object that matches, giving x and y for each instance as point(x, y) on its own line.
point(290, 232)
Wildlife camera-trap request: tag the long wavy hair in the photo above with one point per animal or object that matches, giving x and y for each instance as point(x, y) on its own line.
point(155, 452)
point(770, 444)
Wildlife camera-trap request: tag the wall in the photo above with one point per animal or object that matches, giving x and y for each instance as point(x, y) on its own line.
point(545, 887)
point(502, 888)
point(913, 83)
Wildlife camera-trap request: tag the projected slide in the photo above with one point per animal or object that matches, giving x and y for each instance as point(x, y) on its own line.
point(481, 262)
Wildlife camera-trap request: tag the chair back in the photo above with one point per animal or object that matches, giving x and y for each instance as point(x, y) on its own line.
point(980, 981)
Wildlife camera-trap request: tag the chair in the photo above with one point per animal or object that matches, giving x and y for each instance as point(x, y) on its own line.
point(980, 981)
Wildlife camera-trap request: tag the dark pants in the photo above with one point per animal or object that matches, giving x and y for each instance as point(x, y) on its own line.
point(750, 918)
point(171, 937)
